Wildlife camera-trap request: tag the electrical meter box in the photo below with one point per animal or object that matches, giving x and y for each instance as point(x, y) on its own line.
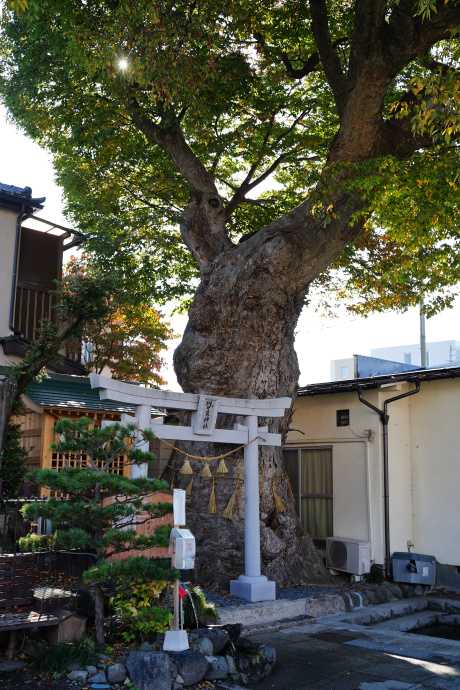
point(415, 568)
point(182, 549)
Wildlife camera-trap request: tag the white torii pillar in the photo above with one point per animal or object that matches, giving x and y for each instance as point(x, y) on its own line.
point(252, 585)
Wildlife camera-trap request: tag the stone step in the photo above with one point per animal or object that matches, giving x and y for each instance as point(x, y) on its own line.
point(268, 611)
point(273, 626)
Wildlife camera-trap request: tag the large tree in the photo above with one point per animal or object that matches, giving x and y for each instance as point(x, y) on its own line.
point(165, 118)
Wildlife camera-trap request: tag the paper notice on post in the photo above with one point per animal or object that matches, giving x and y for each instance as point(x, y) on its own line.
point(179, 507)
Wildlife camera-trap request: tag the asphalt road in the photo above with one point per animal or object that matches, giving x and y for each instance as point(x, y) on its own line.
point(320, 657)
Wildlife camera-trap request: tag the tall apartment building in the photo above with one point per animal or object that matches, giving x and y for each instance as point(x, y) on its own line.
point(441, 353)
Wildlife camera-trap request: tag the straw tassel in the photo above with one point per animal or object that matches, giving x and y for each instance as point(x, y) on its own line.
point(278, 503)
point(212, 508)
point(206, 472)
point(289, 487)
point(228, 512)
point(186, 467)
point(222, 469)
point(188, 490)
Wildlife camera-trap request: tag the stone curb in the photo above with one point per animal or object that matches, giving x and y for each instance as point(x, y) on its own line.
point(266, 616)
point(274, 626)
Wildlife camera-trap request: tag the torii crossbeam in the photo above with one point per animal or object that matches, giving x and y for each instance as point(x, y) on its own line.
point(252, 585)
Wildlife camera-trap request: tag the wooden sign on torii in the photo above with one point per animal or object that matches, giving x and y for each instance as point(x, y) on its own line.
point(252, 585)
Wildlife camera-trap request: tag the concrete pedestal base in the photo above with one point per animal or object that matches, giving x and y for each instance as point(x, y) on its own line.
point(253, 588)
point(175, 641)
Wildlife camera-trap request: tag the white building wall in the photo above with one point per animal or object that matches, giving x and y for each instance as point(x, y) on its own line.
point(356, 461)
point(399, 466)
point(424, 466)
point(7, 238)
point(342, 369)
point(436, 479)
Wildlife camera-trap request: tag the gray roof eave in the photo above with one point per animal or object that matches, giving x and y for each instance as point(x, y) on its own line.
point(350, 385)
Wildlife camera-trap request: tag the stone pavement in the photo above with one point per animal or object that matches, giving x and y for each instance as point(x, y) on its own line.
point(337, 654)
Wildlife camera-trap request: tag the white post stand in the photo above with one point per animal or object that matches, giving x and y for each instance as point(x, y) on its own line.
point(144, 419)
point(252, 585)
point(176, 639)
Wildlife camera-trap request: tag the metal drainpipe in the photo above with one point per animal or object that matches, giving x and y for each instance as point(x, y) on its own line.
point(384, 418)
point(15, 269)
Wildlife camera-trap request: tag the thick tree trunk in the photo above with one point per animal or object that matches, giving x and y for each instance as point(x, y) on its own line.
point(239, 342)
point(99, 615)
point(7, 394)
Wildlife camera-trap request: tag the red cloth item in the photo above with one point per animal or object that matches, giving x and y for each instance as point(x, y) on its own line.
point(182, 593)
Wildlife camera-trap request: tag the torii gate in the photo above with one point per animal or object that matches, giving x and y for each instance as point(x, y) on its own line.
point(252, 585)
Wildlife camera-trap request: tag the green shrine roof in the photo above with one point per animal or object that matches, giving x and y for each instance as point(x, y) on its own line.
point(67, 392)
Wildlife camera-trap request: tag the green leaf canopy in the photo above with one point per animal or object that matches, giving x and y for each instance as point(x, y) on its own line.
point(251, 93)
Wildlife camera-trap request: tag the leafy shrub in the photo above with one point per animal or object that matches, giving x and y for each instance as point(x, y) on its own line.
point(142, 619)
point(58, 659)
point(205, 612)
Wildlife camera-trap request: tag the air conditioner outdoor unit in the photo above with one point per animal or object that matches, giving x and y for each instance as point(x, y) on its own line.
point(350, 555)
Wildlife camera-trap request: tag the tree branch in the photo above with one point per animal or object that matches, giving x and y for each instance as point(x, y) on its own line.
point(328, 56)
point(309, 65)
point(247, 185)
point(171, 140)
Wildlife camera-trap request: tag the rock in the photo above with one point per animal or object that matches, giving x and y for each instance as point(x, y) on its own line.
point(104, 657)
point(145, 647)
point(371, 598)
point(218, 637)
point(231, 664)
point(357, 601)
point(179, 679)
point(394, 589)
point(173, 667)
point(270, 655)
point(381, 595)
point(346, 601)
point(203, 645)
point(149, 670)
point(240, 678)
point(418, 590)
point(78, 675)
point(233, 630)
point(254, 660)
point(116, 673)
point(176, 686)
point(217, 668)
point(99, 677)
point(191, 665)
point(91, 670)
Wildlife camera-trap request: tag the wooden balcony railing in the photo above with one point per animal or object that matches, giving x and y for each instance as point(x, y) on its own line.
point(33, 303)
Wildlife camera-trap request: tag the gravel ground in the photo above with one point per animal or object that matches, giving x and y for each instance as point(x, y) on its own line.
point(342, 584)
point(28, 680)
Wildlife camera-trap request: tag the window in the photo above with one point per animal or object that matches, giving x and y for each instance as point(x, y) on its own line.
point(343, 417)
point(310, 473)
point(344, 372)
point(407, 358)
